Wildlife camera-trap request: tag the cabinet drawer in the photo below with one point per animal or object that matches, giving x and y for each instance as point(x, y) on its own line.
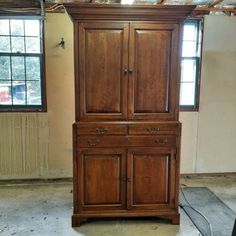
point(100, 129)
point(126, 141)
point(153, 129)
point(102, 141)
point(151, 141)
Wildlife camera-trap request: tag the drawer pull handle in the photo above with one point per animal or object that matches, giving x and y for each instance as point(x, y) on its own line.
point(161, 141)
point(93, 143)
point(153, 130)
point(101, 130)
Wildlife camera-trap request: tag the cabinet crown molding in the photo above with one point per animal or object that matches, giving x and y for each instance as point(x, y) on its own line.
point(128, 12)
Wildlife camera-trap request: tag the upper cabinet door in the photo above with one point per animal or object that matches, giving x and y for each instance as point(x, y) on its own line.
point(153, 71)
point(101, 71)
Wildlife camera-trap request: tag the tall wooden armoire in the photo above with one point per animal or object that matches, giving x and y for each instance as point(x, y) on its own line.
point(127, 134)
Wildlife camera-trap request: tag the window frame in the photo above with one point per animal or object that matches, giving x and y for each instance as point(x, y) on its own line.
point(198, 60)
point(41, 56)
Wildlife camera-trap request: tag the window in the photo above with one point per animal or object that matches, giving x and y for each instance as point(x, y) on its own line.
point(21, 65)
point(190, 65)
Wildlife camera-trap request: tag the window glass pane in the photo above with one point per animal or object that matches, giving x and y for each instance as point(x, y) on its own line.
point(188, 70)
point(189, 49)
point(32, 68)
point(17, 27)
point(190, 32)
point(17, 44)
point(32, 45)
point(32, 28)
point(4, 27)
point(5, 44)
point(33, 93)
point(18, 90)
point(20, 73)
point(5, 93)
point(5, 69)
point(18, 68)
point(187, 94)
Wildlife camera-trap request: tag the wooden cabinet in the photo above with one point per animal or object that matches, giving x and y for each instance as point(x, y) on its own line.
point(126, 136)
point(126, 71)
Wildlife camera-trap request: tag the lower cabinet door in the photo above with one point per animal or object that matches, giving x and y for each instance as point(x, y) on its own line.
point(151, 179)
point(101, 179)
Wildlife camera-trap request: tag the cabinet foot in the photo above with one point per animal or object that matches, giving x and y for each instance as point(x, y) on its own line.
point(77, 221)
point(175, 220)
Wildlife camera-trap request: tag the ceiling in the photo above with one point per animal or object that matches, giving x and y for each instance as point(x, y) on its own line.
point(227, 7)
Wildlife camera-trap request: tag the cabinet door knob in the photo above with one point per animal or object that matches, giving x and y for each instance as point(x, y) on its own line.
point(130, 71)
point(125, 71)
point(161, 141)
point(93, 142)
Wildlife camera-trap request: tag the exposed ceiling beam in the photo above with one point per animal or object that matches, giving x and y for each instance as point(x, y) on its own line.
point(215, 3)
point(189, 2)
point(204, 10)
point(162, 2)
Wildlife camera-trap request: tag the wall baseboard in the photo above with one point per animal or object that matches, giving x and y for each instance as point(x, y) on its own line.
point(69, 179)
point(35, 181)
point(214, 175)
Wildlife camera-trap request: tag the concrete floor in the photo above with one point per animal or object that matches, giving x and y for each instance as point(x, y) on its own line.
point(45, 209)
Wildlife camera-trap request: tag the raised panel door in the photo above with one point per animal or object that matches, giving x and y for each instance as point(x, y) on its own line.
point(151, 178)
point(103, 57)
point(153, 67)
point(101, 179)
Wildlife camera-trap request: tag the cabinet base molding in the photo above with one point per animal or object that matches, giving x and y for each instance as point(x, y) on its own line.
point(78, 219)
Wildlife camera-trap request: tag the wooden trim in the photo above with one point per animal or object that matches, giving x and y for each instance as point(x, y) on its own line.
point(128, 12)
point(215, 3)
point(206, 10)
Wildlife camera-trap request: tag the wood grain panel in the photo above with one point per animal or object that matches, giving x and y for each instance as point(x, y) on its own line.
point(102, 59)
point(101, 185)
point(103, 70)
point(150, 179)
point(152, 56)
point(153, 75)
point(102, 179)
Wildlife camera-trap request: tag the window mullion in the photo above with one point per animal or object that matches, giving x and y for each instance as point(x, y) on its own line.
point(9, 22)
point(26, 99)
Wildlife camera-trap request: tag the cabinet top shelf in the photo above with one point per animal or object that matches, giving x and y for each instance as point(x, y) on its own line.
point(86, 11)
